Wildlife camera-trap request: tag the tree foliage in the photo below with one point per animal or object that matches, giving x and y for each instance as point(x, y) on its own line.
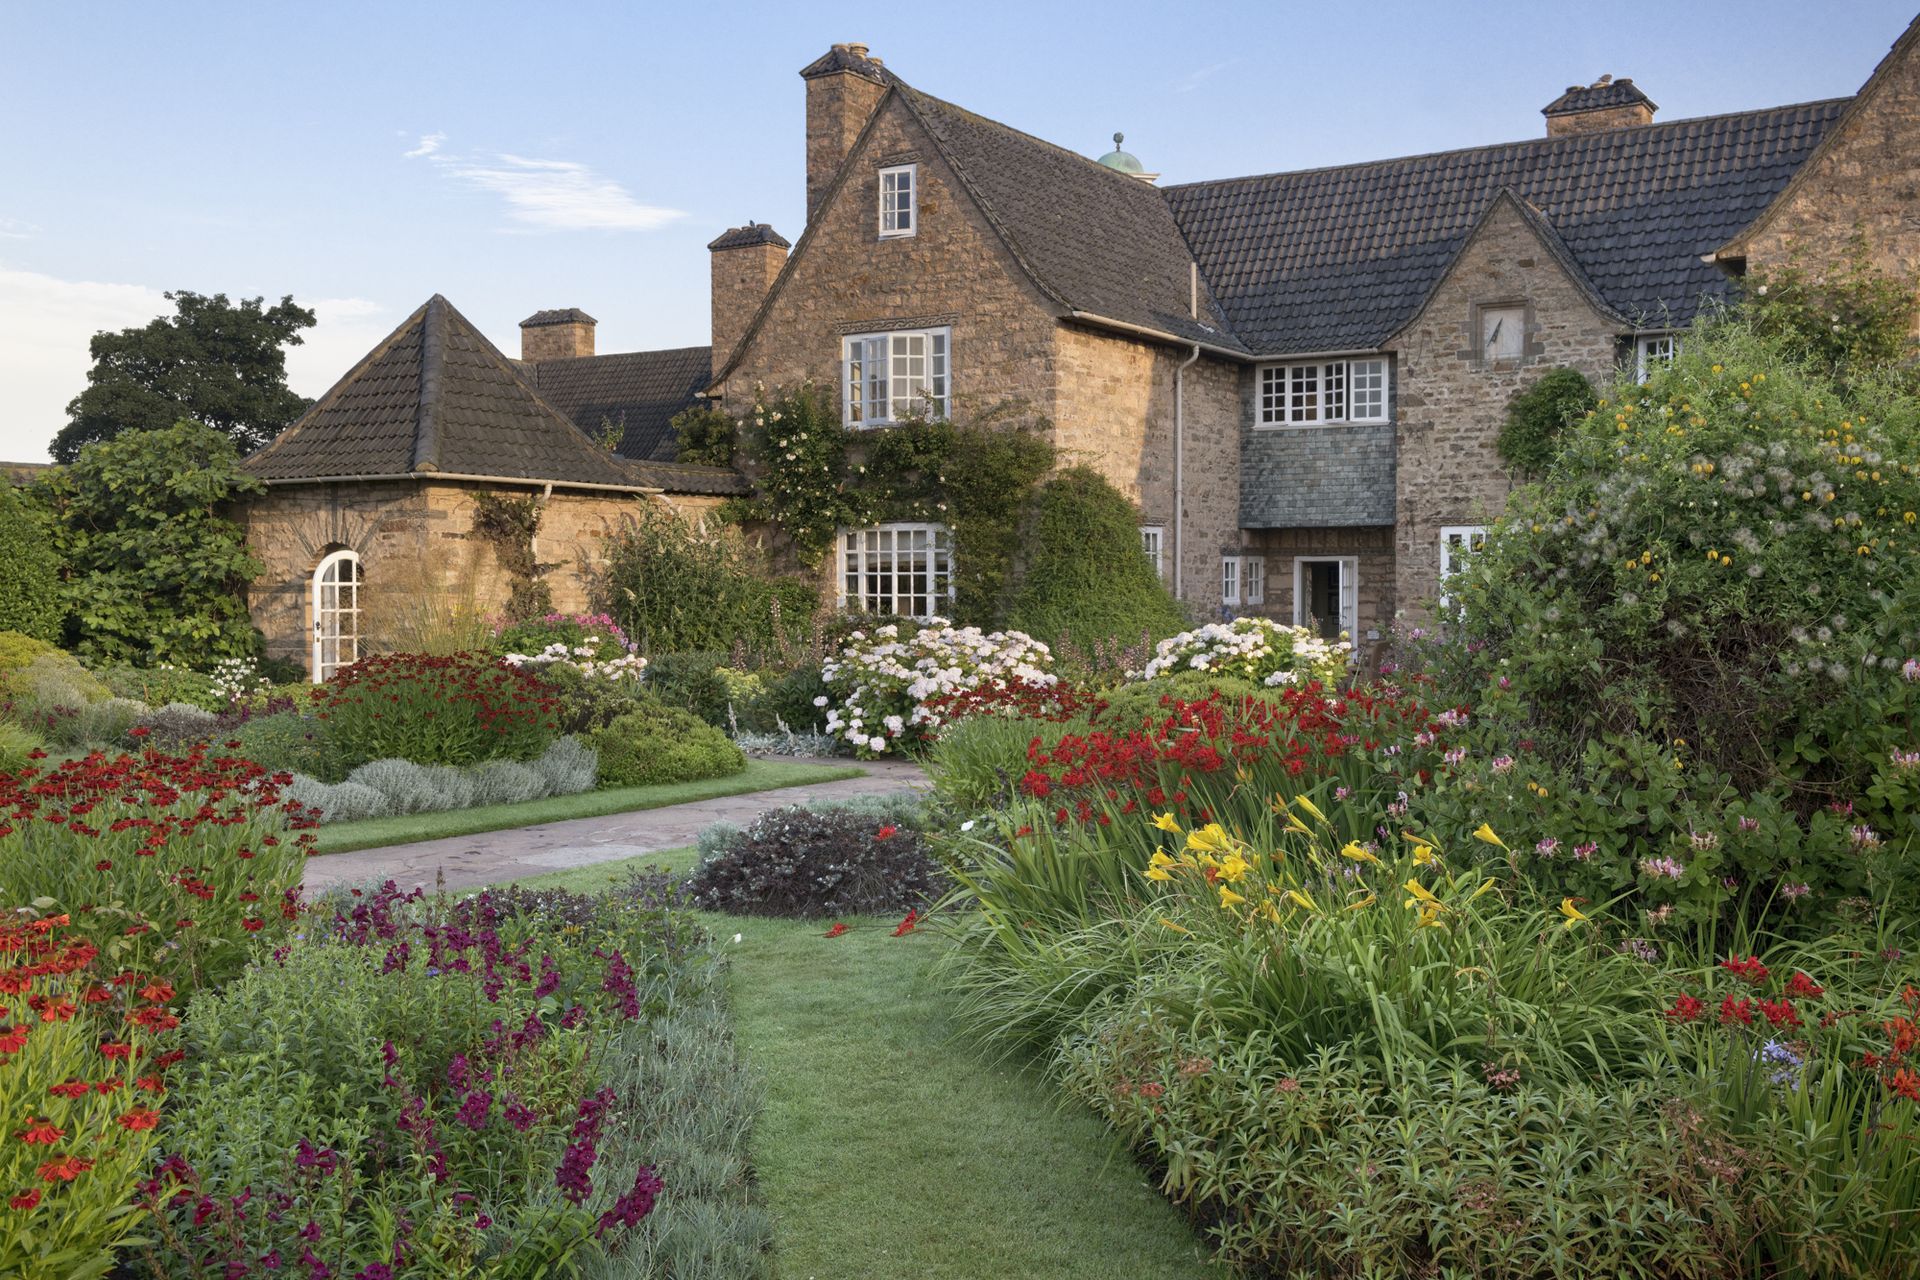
point(157, 571)
point(706, 436)
point(213, 361)
point(31, 601)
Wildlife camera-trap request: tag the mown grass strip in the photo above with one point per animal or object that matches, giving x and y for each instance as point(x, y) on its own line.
point(760, 775)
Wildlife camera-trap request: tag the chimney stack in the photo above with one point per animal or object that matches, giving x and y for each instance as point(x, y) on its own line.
point(559, 334)
point(1605, 104)
point(843, 87)
point(745, 261)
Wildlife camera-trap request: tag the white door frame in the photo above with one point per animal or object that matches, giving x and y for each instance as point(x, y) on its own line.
point(322, 617)
point(1349, 590)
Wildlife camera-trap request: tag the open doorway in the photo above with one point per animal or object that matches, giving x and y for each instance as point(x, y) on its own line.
point(1326, 595)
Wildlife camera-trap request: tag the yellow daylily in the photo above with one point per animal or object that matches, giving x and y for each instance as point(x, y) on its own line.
point(1165, 822)
point(1295, 827)
point(1209, 838)
point(1571, 912)
point(1485, 833)
point(1425, 855)
point(1311, 808)
point(1229, 899)
point(1429, 917)
point(1422, 898)
point(1419, 842)
point(1233, 868)
point(1485, 886)
point(1157, 873)
point(1268, 912)
point(1361, 904)
point(1359, 853)
point(1161, 860)
point(1176, 928)
point(1300, 897)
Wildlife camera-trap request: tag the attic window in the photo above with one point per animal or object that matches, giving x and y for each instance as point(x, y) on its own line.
point(1653, 350)
point(896, 200)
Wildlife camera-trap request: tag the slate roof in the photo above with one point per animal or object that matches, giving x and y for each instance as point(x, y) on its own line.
point(636, 393)
point(1338, 259)
point(1098, 241)
point(751, 234)
point(1602, 95)
point(557, 315)
point(436, 398)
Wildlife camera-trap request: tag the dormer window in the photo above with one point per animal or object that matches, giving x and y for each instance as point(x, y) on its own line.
point(897, 184)
point(1653, 350)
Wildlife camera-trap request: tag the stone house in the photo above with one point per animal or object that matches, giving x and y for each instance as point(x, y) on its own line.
point(1297, 377)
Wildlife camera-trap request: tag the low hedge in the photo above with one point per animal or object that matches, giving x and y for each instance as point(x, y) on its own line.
point(655, 744)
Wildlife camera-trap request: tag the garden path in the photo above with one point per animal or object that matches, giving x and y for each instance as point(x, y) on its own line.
point(466, 862)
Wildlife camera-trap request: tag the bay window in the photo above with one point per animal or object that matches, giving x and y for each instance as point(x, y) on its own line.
point(1315, 392)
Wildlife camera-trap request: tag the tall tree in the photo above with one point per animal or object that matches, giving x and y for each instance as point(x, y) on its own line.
point(212, 361)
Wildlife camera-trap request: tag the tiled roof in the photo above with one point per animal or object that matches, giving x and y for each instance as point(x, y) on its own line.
point(558, 315)
point(1338, 259)
point(751, 234)
point(1096, 240)
point(1602, 95)
point(841, 57)
point(437, 397)
point(635, 393)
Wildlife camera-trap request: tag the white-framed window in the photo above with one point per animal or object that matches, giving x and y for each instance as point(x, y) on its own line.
point(336, 613)
point(1314, 392)
point(1243, 580)
point(1326, 594)
point(905, 569)
point(1457, 542)
point(1652, 350)
point(897, 183)
point(1152, 538)
point(890, 376)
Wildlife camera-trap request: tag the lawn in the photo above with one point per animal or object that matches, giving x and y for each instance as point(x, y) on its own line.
point(760, 775)
point(889, 1148)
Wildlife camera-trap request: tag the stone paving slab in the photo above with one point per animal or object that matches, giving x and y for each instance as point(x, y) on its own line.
point(465, 862)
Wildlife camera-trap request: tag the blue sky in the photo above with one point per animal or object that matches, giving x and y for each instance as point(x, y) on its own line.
point(364, 156)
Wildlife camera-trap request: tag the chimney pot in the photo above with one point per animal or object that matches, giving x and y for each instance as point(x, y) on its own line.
point(857, 50)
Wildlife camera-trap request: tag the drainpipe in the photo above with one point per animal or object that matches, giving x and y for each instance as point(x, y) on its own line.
point(1179, 457)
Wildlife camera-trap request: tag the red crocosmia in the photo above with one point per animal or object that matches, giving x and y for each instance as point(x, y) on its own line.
point(1686, 1009)
point(836, 931)
point(138, 1119)
point(1780, 1013)
point(64, 1170)
point(886, 833)
point(907, 925)
point(1904, 1083)
point(1740, 1011)
point(1749, 969)
point(25, 1200)
point(41, 1132)
point(1803, 986)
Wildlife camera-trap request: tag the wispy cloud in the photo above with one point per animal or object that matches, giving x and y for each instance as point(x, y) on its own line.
point(16, 229)
point(1200, 75)
point(547, 195)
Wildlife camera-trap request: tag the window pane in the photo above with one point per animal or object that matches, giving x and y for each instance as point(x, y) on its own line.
point(937, 374)
point(1367, 390)
point(1334, 391)
point(1273, 395)
point(1304, 400)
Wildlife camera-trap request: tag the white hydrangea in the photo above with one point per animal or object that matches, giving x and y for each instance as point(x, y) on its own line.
point(1255, 649)
point(886, 679)
point(600, 658)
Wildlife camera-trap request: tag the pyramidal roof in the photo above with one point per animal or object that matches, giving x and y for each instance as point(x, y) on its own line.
point(436, 398)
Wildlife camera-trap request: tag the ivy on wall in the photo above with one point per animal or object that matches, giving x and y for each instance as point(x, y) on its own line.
point(813, 476)
point(508, 525)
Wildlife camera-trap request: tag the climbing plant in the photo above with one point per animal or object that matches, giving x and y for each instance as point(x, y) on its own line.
point(1537, 416)
point(706, 435)
point(508, 525)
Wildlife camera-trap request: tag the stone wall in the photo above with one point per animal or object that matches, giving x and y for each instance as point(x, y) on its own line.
point(1866, 176)
point(417, 551)
point(838, 105)
point(1372, 548)
point(1452, 403)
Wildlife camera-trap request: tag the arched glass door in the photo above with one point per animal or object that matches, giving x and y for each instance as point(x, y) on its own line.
point(336, 613)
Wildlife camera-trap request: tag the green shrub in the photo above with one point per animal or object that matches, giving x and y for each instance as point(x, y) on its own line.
point(286, 742)
point(692, 682)
point(32, 601)
point(1537, 416)
point(16, 651)
point(1133, 704)
point(16, 744)
point(178, 725)
point(1082, 574)
point(158, 686)
point(787, 699)
point(813, 863)
point(656, 744)
point(976, 762)
point(459, 709)
point(705, 436)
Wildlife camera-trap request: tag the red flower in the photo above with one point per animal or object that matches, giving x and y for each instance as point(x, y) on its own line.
point(1750, 969)
point(41, 1133)
point(836, 931)
point(1740, 1011)
point(102, 865)
point(886, 833)
point(1801, 985)
point(1905, 1084)
point(114, 1050)
point(70, 1089)
point(1685, 1009)
point(12, 1039)
point(25, 1200)
point(139, 1118)
point(907, 925)
point(1780, 1013)
point(64, 1170)
point(139, 731)
point(158, 991)
point(150, 1084)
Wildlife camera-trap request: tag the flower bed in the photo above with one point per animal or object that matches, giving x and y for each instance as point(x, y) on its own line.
point(1256, 649)
point(173, 864)
point(883, 687)
point(459, 709)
